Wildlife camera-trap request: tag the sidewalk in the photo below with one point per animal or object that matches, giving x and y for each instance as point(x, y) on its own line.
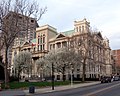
point(44, 90)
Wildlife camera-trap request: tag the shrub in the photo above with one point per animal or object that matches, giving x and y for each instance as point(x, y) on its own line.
point(13, 78)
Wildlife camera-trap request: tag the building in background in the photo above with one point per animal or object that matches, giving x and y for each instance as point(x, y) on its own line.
point(116, 56)
point(27, 32)
point(47, 38)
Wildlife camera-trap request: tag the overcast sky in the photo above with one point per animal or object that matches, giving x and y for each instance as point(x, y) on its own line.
point(102, 14)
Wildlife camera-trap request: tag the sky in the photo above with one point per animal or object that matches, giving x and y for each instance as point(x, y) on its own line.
point(103, 15)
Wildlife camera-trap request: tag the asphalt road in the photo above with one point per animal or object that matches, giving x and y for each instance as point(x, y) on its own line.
point(104, 89)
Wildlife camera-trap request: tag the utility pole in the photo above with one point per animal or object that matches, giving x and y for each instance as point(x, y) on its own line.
point(52, 77)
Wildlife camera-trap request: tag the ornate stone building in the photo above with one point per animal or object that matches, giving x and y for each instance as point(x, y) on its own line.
point(116, 56)
point(96, 48)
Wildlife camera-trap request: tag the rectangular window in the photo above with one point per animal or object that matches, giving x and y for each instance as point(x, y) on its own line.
point(78, 70)
point(43, 39)
point(79, 28)
point(40, 47)
point(58, 77)
point(64, 44)
point(82, 28)
point(76, 29)
point(53, 46)
point(34, 50)
point(38, 41)
point(59, 45)
point(78, 76)
point(43, 47)
point(50, 46)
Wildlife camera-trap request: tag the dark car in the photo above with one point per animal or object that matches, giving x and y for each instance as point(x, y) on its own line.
point(116, 78)
point(105, 79)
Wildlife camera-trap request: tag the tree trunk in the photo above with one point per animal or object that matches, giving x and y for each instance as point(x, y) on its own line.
point(83, 74)
point(53, 76)
point(6, 69)
point(63, 74)
point(18, 76)
point(19, 73)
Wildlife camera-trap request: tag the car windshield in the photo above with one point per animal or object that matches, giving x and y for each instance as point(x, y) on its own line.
point(105, 77)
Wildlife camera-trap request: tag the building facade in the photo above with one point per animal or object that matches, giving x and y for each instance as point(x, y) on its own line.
point(26, 27)
point(116, 56)
point(38, 46)
point(98, 58)
point(97, 48)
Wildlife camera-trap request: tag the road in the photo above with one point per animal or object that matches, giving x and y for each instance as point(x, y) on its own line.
point(105, 89)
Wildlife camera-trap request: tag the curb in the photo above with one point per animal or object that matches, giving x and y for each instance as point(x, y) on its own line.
point(67, 87)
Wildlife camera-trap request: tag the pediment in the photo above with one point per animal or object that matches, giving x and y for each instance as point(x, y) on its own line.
point(60, 36)
point(25, 44)
point(100, 35)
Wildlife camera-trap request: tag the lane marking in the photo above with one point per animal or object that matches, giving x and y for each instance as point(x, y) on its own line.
point(92, 93)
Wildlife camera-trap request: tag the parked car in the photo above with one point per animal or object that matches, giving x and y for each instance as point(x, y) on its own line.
point(116, 78)
point(106, 79)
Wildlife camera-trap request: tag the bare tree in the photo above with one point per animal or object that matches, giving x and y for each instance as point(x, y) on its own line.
point(51, 57)
point(48, 63)
point(22, 63)
point(1, 69)
point(9, 23)
point(81, 44)
point(61, 60)
point(88, 47)
point(41, 67)
point(1, 62)
point(67, 59)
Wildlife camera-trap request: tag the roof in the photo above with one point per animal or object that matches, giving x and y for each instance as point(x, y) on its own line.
point(97, 34)
point(68, 33)
point(33, 40)
point(63, 34)
point(25, 43)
